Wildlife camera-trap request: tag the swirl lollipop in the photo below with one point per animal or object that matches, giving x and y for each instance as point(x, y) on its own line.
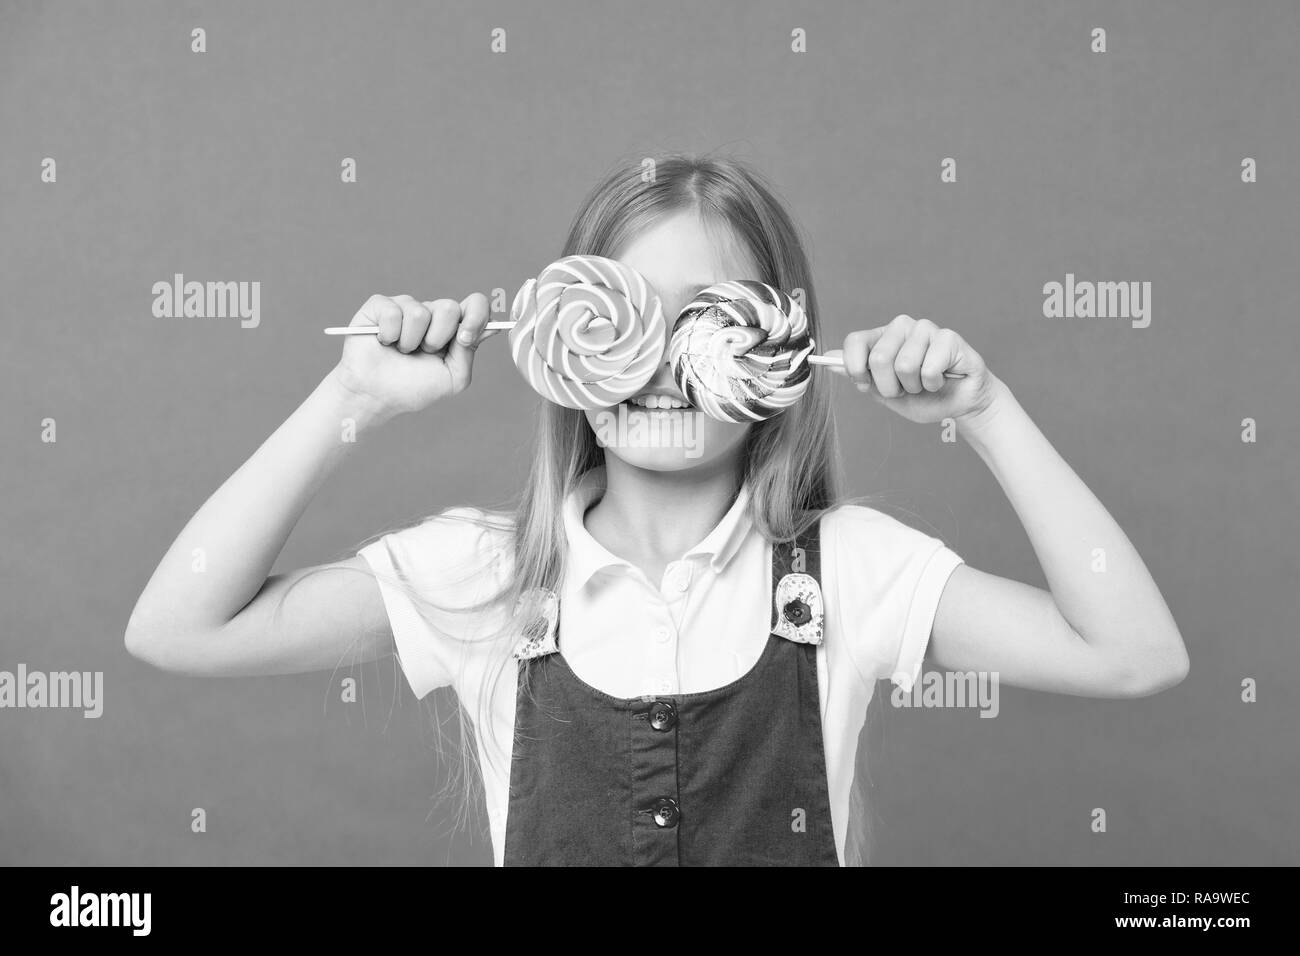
point(740, 351)
point(588, 332)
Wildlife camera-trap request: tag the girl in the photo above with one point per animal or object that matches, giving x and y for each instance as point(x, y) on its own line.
point(666, 653)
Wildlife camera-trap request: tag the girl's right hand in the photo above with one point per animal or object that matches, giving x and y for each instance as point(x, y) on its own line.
point(423, 351)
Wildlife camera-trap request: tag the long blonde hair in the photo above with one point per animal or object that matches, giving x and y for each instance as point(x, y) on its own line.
point(790, 462)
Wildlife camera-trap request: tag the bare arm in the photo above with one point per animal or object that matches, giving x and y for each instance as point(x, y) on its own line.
point(211, 606)
point(1103, 629)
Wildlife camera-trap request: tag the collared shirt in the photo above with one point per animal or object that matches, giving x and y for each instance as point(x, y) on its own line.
point(703, 625)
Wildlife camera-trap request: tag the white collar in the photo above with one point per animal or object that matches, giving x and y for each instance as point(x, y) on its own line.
point(587, 556)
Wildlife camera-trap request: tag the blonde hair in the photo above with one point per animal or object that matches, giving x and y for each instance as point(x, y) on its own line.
point(790, 462)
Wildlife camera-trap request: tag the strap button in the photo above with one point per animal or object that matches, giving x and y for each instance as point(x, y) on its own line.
point(663, 716)
point(797, 612)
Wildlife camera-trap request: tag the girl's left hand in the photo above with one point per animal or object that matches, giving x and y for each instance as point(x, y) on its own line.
point(902, 364)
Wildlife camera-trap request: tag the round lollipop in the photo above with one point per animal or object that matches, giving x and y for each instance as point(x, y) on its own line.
point(588, 332)
point(739, 352)
point(742, 352)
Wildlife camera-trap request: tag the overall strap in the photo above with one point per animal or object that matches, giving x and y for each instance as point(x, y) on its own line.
point(798, 613)
point(537, 615)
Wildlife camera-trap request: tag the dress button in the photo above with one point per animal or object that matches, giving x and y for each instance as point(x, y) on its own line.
point(797, 612)
point(662, 634)
point(663, 716)
point(666, 813)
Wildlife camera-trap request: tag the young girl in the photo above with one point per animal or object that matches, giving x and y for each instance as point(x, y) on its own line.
point(666, 654)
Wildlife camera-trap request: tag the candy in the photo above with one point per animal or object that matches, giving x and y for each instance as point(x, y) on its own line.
point(588, 333)
point(739, 352)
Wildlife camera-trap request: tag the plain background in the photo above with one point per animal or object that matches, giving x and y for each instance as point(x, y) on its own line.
point(225, 166)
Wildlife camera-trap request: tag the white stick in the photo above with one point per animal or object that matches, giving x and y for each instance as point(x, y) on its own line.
point(374, 329)
point(836, 364)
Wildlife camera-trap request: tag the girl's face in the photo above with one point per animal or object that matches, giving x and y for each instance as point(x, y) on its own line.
point(656, 429)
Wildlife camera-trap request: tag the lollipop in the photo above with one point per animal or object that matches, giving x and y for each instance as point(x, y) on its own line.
point(588, 333)
point(740, 351)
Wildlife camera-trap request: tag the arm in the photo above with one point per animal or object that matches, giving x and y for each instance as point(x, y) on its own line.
point(1097, 634)
point(231, 618)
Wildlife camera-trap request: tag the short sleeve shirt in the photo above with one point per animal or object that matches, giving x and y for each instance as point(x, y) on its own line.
point(700, 627)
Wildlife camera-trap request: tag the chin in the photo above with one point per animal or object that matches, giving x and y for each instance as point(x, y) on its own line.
point(664, 440)
point(663, 460)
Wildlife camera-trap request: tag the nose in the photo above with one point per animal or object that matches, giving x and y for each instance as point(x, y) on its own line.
point(663, 376)
point(664, 373)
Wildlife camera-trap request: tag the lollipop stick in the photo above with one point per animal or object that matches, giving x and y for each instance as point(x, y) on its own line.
point(836, 364)
point(374, 329)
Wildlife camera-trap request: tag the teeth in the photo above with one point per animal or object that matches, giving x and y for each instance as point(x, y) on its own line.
point(657, 401)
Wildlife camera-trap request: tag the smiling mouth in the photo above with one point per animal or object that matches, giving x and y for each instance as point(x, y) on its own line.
point(658, 402)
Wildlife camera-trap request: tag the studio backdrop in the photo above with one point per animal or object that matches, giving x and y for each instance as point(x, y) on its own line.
point(948, 160)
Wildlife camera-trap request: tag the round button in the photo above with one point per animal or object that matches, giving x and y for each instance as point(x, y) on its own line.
point(797, 612)
point(663, 716)
point(662, 634)
point(666, 812)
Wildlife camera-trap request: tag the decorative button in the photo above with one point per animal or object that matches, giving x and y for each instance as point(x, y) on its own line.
point(662, 634)
point(797, 612)
point(663, 716)
point(666, 812)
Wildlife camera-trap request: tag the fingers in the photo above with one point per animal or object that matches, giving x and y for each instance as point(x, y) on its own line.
point(442, 326)
point(416, 317)
point(857, 346)
point(911, 353)
point(401, 320)
point(883, 353)
point(382, 311)
point(905, 357)
point(942, 355)
point(474, 317)
point(460, 354)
